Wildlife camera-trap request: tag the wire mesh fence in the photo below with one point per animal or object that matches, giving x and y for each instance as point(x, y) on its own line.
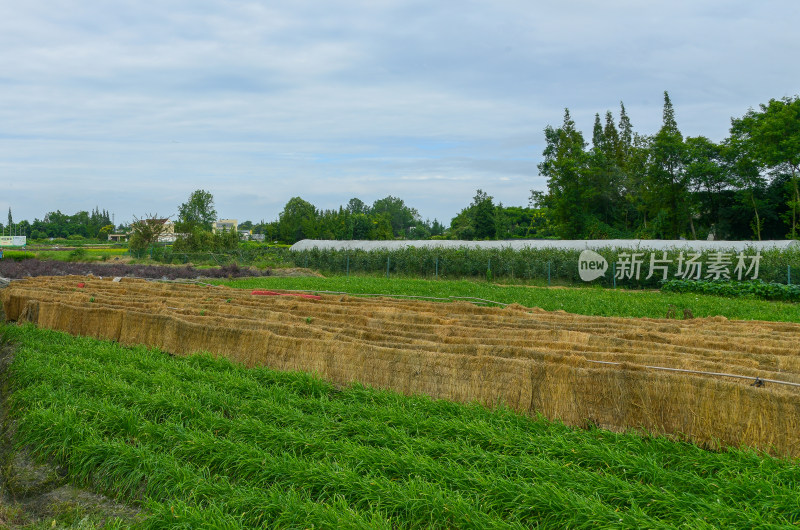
point(610, 267)
point(615, 267)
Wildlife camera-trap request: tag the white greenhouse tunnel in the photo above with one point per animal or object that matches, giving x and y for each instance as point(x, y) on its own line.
point(520, 244)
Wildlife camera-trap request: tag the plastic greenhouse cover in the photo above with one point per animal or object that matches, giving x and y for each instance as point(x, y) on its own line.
point(519, 244)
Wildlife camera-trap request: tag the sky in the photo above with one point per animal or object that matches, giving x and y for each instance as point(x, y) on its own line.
point(130, 106)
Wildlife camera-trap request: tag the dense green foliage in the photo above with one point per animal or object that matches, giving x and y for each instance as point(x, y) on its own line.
point(201, 442)
point(197, 213)
point(387, 218)
point(245, 254)
point(584, 301)
point(201, 240)
point(96, 224)
point(540, 265)
point(756, 289)
point(390, 218)
point(666, 186)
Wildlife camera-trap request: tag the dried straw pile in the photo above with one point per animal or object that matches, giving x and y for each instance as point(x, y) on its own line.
point(533, 361)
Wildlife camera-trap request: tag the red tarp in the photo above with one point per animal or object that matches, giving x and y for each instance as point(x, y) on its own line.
point(275, 293)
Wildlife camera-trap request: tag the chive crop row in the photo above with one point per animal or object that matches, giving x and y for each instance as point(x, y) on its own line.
point(200, 441)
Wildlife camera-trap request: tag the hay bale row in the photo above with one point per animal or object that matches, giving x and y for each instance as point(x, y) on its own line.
point(701, 344)
point(533, 361)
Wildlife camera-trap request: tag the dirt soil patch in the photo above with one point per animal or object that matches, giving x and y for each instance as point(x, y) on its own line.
point(37, 494)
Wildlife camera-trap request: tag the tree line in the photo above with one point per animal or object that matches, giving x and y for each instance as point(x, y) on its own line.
point(391, 218)
point(622, 184)
point(666, 186)
point(94, 224)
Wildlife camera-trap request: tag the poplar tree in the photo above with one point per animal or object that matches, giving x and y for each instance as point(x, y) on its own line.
point(625, 130)
point(668, 193)
point(634, 153)
point(603, 185)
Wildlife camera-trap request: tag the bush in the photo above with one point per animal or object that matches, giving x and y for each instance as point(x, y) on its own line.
point(751, 289)
point(17, 255)
point(79, 254)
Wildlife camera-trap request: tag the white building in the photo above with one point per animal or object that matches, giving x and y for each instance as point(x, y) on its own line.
point(231, 225)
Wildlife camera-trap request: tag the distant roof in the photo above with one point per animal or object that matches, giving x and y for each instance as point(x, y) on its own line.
point(159, 221)
point(518, 244)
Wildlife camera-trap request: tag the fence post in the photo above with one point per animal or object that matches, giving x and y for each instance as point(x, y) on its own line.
point(436, 274)
point(614, 274)
point(548, 274)
point(789, 274)
point(387, 267)
point(348, 265)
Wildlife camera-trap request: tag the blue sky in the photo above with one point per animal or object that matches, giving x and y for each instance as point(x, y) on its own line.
point(130, 106)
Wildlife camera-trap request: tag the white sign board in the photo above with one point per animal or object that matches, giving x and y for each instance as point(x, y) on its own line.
point(13, 241)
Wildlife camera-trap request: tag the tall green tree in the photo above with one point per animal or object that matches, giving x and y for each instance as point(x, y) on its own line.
point(401, 217)
point(197, 212)
point(772, 135)
point(483, 215)
point(357, 206)
point(479, 220)
point(603, 193)
point(625, 132)
point(707, 179)
point(297, 221)
point(745, 176)
point(668, 184)
point(564, 166)
point(633, 160)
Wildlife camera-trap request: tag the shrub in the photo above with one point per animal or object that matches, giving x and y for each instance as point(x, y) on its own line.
point(79, 254)
point(753, 289)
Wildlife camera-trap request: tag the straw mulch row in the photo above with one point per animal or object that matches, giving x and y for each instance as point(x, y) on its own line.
point(532, 360)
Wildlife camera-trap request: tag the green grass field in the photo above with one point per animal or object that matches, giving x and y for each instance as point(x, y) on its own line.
point(586, 300)
point(201, 443)
point(81, 254)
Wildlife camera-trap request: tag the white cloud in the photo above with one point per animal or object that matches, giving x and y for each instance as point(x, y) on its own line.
point(131, 106)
